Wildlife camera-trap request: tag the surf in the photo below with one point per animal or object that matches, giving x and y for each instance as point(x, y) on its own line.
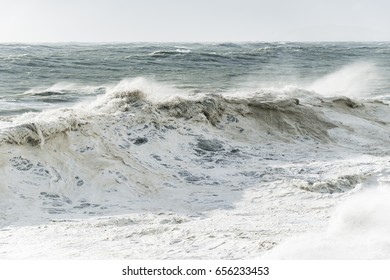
point(228, 157)
point(121, 145)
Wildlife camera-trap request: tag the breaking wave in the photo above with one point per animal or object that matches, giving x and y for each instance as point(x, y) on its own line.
point(142, 146)
point(284, 115)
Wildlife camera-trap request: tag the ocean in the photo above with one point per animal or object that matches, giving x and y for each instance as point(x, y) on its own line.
point(195, 151)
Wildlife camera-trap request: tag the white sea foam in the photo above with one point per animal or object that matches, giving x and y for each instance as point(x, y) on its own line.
point(183, 50)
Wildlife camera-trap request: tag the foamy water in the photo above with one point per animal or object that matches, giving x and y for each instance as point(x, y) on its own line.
point(195, 152)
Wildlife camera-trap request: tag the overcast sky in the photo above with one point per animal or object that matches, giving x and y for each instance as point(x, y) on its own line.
point(193, 20)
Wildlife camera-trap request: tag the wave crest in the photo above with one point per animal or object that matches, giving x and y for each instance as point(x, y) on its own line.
point(281, 115)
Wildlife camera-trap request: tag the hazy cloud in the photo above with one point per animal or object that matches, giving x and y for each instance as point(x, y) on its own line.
point(193, 20)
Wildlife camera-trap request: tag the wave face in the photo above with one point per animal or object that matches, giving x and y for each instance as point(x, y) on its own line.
point(196, 168)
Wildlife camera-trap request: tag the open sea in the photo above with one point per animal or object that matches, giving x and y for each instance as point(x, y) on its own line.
point(195, 151)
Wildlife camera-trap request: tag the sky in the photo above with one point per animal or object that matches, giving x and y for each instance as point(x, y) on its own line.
point(193, 20)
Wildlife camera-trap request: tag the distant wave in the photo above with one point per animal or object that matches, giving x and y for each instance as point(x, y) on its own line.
point(166, 53)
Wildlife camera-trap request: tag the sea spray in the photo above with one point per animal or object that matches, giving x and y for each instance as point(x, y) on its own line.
point(353, 80)
point(359, 229)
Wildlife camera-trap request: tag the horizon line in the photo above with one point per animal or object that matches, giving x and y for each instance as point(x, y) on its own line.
point(191, 42)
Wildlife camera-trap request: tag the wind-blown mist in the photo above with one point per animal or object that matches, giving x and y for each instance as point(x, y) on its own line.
point(354, 80)
point(359, 229)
